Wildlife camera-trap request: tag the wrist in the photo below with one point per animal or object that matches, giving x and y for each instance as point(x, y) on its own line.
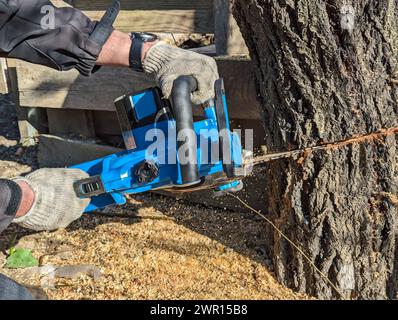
point(116, 50)
point(27, 199)
point(146, 47)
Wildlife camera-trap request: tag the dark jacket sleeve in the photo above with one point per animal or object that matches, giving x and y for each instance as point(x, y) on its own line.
point(10, 199)
point(38, 32)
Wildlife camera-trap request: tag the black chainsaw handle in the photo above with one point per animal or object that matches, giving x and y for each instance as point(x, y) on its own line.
point(186, 136)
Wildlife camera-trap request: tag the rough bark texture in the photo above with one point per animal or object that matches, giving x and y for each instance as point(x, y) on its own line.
point(323, 81)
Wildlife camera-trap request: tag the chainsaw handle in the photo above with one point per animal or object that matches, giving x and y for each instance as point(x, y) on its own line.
point(186, 137)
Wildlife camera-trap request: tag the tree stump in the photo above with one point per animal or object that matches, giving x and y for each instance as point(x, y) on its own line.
point(327, 73)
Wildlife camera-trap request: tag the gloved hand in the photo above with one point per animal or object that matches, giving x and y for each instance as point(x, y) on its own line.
point(56, 204)
point(169, 62)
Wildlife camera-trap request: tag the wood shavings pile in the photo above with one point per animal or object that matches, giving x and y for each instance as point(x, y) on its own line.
point(159, 249)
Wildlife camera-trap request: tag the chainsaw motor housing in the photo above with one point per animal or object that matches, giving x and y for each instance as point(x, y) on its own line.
point(166, 149)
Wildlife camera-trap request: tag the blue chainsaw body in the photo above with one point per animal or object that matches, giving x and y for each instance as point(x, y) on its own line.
point(151, 129)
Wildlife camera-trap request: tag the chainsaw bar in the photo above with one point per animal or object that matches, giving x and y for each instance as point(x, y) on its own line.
point(283, 155)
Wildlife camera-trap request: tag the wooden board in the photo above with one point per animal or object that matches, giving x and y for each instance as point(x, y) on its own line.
point(183, 16)
point(91, 5)
point(3, 77)
point(42, 87)
point(27, 131)
point(181, 21)
point(78, 123)
point(59, 152)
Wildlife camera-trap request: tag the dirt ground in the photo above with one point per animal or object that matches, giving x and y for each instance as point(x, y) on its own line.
point(152, 248)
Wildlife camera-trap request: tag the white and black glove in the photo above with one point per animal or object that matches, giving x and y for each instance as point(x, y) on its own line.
point(169, 62)
point(56, 204)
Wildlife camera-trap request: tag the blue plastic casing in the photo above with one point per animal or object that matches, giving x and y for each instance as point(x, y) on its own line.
point(156, 143)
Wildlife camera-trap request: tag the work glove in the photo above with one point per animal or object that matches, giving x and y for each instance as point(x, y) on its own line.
point(56, 204)
point(168, 63)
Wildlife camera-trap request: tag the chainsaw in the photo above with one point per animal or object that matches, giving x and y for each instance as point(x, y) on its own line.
point(166, 150)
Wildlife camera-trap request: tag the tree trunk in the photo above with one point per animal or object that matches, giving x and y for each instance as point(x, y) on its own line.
point(327, 73)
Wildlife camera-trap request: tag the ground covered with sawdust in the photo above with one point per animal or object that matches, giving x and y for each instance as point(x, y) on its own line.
point(153, 248)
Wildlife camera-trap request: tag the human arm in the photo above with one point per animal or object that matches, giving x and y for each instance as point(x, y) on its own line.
point(66, 43)
point(43, 200)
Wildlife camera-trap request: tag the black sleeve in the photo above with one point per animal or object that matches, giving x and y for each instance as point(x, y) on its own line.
point(27, 33)
point(10, 199)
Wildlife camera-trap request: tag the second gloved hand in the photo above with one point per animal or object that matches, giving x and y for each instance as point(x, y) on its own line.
point(168, 63)
point(56, 204)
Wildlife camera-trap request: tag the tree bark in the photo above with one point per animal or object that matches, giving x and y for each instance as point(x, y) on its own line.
point(327, 72)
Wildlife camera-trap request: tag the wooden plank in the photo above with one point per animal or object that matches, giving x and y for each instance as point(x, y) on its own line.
point(11, 66)
point(61, 3)
point(207, 50)
point(40, 86)
point(91, 5)
point(229, 39)
point(180, 21)
point(154, 16)
point(26, 130)
point(59, 152)
point(66, 122)
point(3, 77)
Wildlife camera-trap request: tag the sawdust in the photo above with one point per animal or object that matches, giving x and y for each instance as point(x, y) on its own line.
point(160, 249)
point(153, 248)
point(10, 169)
